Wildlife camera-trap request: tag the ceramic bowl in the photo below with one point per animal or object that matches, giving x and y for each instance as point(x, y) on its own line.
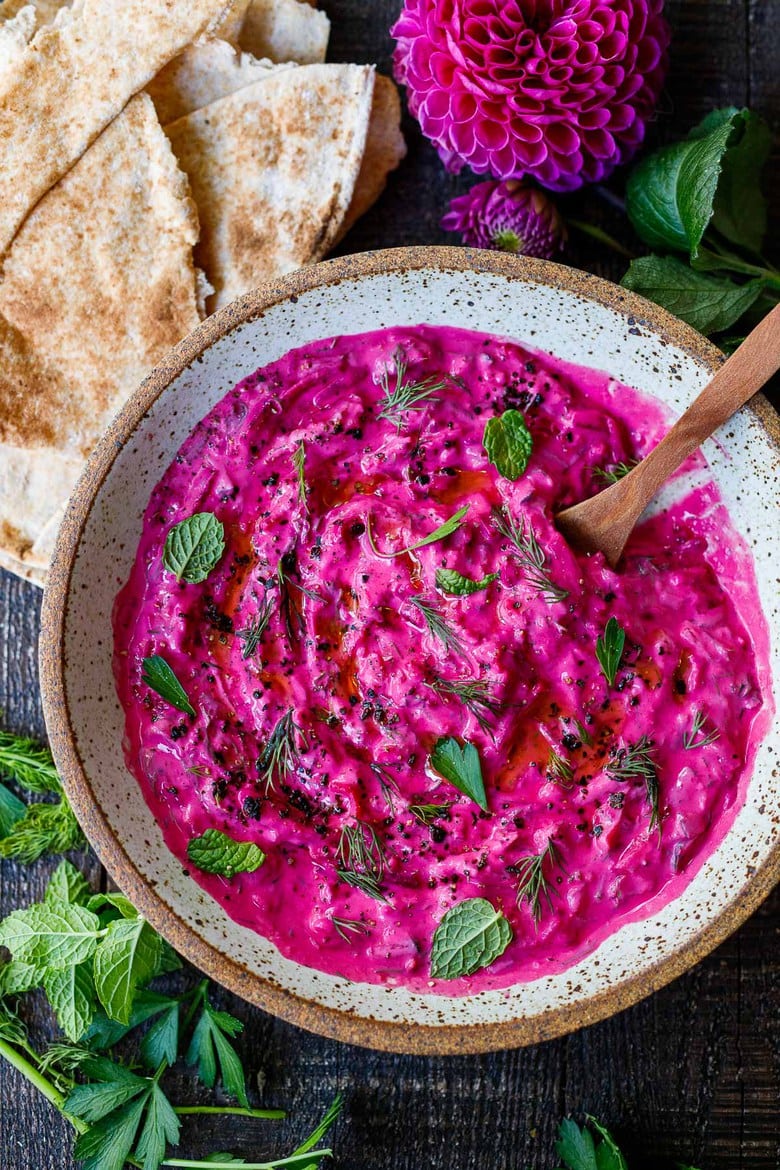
point(577, 317)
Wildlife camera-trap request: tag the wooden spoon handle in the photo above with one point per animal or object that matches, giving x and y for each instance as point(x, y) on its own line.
point(748, 369)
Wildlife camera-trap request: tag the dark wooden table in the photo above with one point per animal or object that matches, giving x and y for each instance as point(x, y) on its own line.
point(693, 1071)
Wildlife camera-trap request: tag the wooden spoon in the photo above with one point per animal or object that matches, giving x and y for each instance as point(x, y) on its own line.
point(604, 523)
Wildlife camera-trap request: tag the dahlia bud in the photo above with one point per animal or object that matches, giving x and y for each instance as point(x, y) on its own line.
point(509, 217)
point(555, 90)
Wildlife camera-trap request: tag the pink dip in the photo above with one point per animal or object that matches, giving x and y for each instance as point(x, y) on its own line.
point(357, 674)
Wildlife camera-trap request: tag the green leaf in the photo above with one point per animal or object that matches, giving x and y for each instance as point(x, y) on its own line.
point(608, 1154)
point(210, 1045)
point(105, 1033)
point(469, 937)
point(107, 1144)
point(461, 766)
point(161, 1127)
point(215, 852)
point(576, 1146)
point(71, 994)
point(28, 763)
point(17, 977)
point(609, 650)
point(55, 936)
point(444, 530)
point(111, 1086)
point(161, 1042)
point(67, 884)
point(125, 959)
point(740, 213)
point(193, 547)
point(101, 901)
point(44, 829)
point(450, 581)
point(508, 443)
point(709, 304)
point(12, 809)
point(159, 677)
point(331, 1115)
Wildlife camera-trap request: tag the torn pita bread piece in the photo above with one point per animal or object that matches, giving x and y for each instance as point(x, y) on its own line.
point(45, 10)
point(229, 26)
point(14, 36)
point(84, 315)
point(72, 79)
point(285, 30)
point(385, 148)
point(202, 74)
point(273, 170)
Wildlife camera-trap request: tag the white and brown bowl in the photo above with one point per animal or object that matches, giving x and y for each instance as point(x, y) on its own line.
point(575, 316)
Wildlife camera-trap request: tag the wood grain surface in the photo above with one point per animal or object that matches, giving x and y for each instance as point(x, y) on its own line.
point(693, 1072)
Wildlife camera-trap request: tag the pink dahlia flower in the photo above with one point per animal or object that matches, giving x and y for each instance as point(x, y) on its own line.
point(559, 90)
point(508, 217)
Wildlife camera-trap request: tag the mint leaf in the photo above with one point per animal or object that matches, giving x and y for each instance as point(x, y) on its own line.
point(461, 766)
point(455, 583)
point(108, 902)
point(709, 304)
point(508, 443)
point(210, 1045)
point(609, 650)
point(17, 977)
point(71, 994)
point(740, 213)
point(67, 884)
point(193, 547)
point(469, 937)
point(576, 1146)
point(159, 677)
point(12, 809)
point(55, 936)
point(215, 852)
point(124, 959)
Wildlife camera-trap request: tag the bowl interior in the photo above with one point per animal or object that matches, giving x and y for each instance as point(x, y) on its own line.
point(547, 307)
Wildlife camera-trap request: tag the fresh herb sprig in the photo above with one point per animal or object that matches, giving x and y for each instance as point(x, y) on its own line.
point(28, 831)
point(252, 635)
point(533, 884)
point(461, 766)
point(438, 626)
point(470, 936)
point(215, 852)
point(609, 650)
point(281, 754)
point(578, 1149)
point(698, 736)
point(194, 547)
point(406, 394)
point(348, 928)
point(360, 859)
point(614, 472)
point(530, 554)
point(450, 581)
point(476, 697)
point(559, 770)
point(636, 761)
point(427, 814)
point(444, 530)
point(160, 678)
point(299, 464)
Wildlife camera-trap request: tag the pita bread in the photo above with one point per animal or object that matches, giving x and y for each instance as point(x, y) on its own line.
point(229, 27)
point(202, 74)
point(14, 36)
point(273, 169)
point(385, 148)
point(285, 30)
point(45, 10)
point(72, 79)
point(84, 315)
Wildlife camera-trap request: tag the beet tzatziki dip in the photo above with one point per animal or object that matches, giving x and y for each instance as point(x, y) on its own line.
point(379, 708)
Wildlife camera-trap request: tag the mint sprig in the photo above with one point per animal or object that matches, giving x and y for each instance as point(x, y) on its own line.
point(450, 581)
point(193, 547)
point(470, 936)
point(461, 766)
point(508, 443)
point(216, 852)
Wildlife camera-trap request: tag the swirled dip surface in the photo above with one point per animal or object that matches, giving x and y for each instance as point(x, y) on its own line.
point(350, 659)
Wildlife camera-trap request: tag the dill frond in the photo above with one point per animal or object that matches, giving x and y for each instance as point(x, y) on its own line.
point(426, 814)
point(533, 883)
point(280, 756)
point(405, 395)
point(438, 626)
point(474, 695)
point(530, 555)
point(252, 634)
point(614, 471)
point(361, 859)
point(690, 738)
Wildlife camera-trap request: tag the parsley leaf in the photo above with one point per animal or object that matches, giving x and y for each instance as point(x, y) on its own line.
point(215, 852)
point(453, 582)
point(159, 677)
point(609, 650)
point(210, 1045)
point(126, 957)
point(193, 547)
point(461, 766)
point(470, 936)
point(508, 443)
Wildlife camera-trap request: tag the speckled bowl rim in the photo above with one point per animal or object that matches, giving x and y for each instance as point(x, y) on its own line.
point(326, 1021)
